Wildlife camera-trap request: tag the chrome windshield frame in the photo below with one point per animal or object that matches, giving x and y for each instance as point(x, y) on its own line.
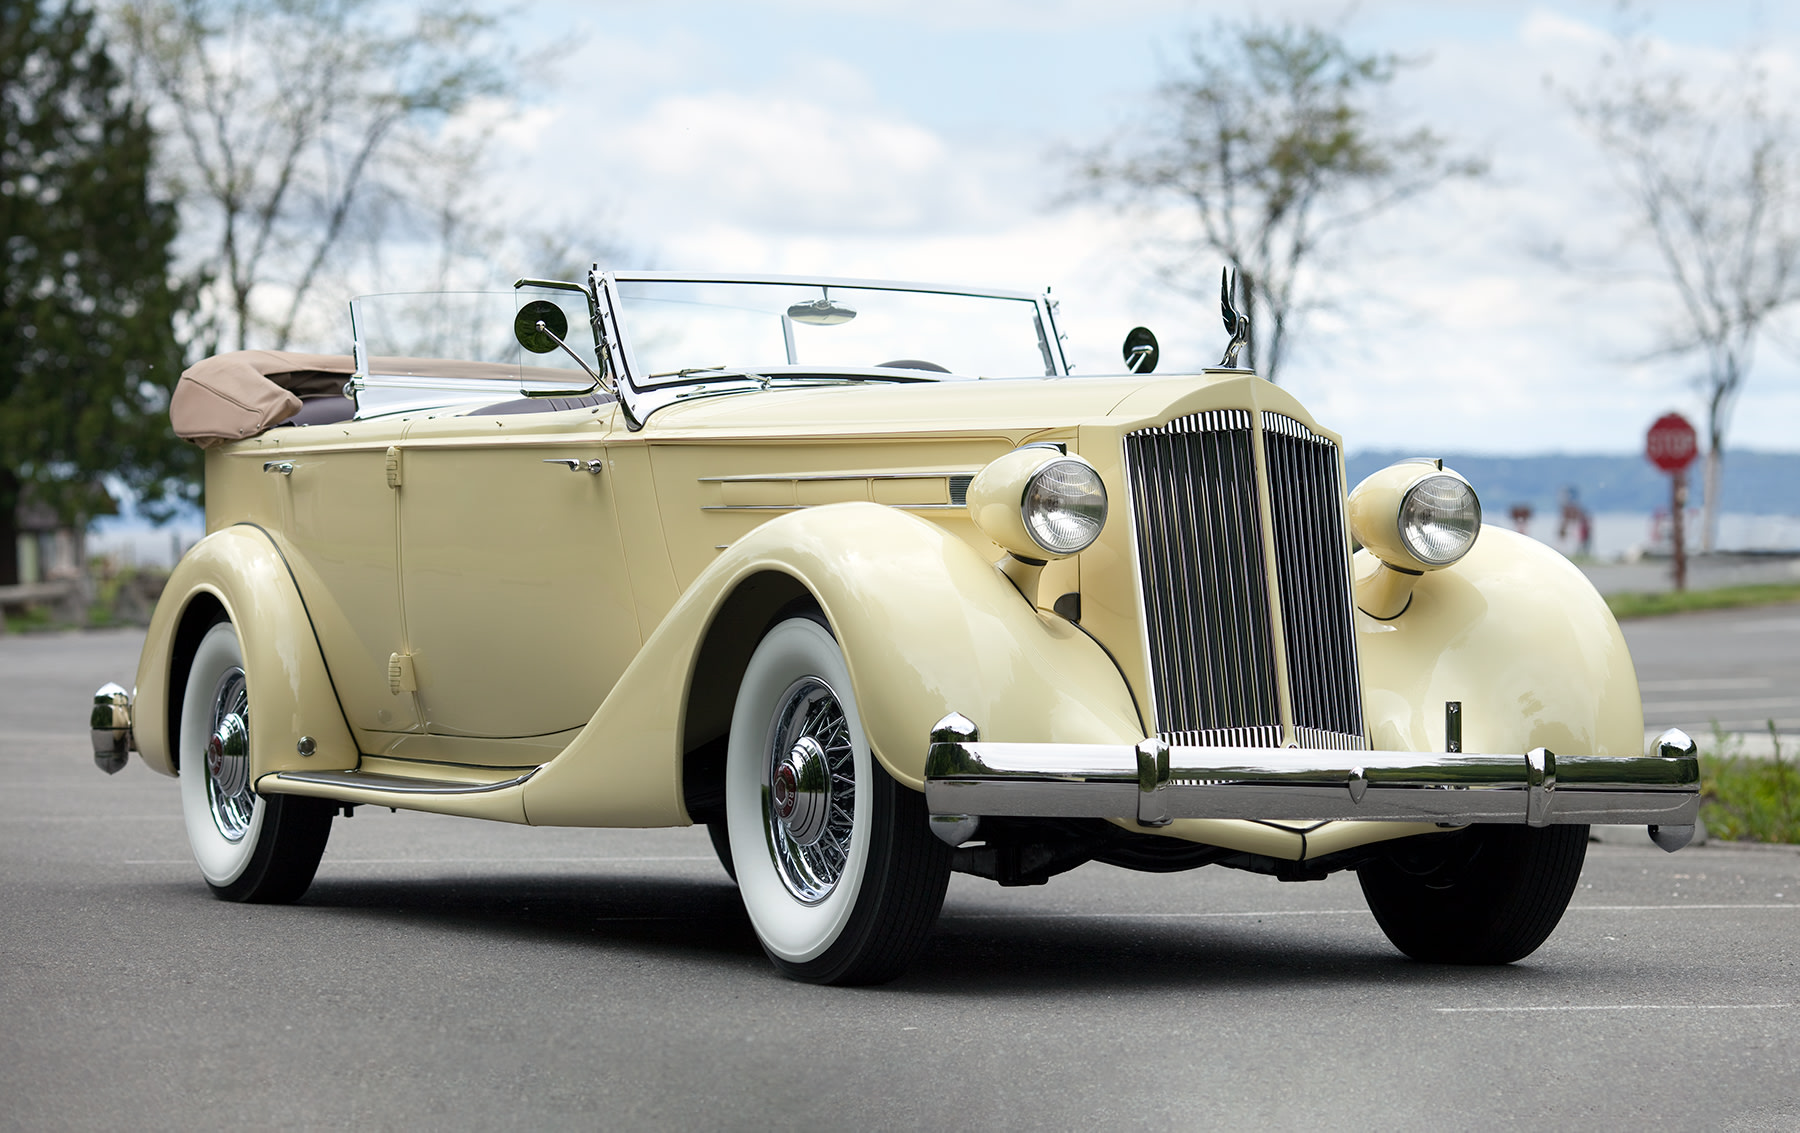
point(640, 398)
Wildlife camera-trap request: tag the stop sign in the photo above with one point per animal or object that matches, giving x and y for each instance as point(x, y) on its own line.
point(1671, 445)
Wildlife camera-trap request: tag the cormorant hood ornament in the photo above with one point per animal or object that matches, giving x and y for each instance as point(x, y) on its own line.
point(1237, 325)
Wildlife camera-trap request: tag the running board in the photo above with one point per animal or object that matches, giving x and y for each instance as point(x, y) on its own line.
point(499, 799)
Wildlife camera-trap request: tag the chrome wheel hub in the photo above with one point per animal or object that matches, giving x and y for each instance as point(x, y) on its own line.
point(228, 792)
point(801, 791)
point(809, 788)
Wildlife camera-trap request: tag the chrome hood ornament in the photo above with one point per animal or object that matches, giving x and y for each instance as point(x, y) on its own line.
point(1237, 325)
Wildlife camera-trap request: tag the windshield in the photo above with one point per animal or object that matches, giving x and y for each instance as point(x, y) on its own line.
point(428, 349)
point(395, 329)
point(682, 331)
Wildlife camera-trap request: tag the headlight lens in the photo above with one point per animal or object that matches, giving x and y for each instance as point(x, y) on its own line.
point(1065, 506)
point(1439, 519)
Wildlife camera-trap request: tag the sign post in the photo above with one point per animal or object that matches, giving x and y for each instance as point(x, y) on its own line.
point(1672, 446)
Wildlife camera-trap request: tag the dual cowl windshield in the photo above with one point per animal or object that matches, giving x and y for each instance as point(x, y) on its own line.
point(682, 331)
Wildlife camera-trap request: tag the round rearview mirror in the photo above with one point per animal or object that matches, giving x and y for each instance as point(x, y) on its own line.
point(1140, 351)
point(526, 330)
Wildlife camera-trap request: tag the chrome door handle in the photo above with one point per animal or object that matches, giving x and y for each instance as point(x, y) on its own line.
point(591, 467)
point(285, 467)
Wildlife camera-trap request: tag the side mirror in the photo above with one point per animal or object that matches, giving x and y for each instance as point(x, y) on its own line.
point(534, 320)
point(1140, 351)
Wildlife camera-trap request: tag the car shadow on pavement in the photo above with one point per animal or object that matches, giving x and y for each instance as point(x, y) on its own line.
point(662, 913)
point(1026, 955)
point(1029, 955)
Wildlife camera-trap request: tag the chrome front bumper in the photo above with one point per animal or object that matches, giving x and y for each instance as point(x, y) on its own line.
point(966, 779)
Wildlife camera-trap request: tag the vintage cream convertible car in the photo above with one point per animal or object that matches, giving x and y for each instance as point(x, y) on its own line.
point(858, 575)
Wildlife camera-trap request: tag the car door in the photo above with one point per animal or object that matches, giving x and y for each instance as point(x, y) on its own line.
point(342, 517)
point(518, 612)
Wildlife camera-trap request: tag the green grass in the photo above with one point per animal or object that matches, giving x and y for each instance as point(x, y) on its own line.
point(1723, 598)
point(1744, 798)
point(30, 619)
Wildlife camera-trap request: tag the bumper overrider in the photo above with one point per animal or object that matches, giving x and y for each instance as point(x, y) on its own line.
point(1154, 782)
point(109, 723)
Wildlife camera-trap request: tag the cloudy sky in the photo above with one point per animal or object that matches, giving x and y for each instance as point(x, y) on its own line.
point(919, 139)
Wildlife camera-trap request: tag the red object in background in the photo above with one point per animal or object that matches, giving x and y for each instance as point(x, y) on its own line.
point(1672, 444)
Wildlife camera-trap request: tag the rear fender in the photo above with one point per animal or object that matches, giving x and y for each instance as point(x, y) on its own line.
point(927, 626)
point(242, 571)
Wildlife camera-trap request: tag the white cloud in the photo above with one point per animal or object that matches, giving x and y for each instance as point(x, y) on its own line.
point(1458, 335)
point(791, 165)
point(1545, 30)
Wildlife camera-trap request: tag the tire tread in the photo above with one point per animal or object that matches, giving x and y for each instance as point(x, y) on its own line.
point(1496, 907)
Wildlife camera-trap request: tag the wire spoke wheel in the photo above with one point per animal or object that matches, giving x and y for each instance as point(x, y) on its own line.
point(228, 792)
point(836, 865)
point(810, 793)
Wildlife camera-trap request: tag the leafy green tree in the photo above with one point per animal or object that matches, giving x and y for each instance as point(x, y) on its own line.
point(88, 350)
point(1271, 140)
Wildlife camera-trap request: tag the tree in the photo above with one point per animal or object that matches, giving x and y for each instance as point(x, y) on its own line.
point(1712, 180)
point(304, 126)
point(88, 351)
point(1270, 140)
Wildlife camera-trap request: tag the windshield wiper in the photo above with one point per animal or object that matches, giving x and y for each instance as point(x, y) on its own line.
point(682, 373)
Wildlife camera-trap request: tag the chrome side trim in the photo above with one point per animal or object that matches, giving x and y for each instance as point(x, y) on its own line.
point(804, 507)
point(387, 784)
point(811, 476)
point(1154, 782)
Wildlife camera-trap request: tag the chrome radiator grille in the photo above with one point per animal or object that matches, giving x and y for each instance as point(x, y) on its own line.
point(1200, 551)
point(1206, 582)
point(1312, 567)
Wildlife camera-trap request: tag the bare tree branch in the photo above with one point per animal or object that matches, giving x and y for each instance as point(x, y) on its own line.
point(300, 120)
point(1270, 142)
point(1713, 181)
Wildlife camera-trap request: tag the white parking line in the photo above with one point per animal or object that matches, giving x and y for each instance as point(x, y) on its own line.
point(1721, 707)
point(1616, 1007)
point(1319, 912)
point(26, 818)
point(1705, 684)
point(1146, 916)
point(1667, 908)
point(445, 861)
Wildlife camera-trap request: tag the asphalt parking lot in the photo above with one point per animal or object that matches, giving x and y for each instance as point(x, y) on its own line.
point(1733, 669)
point(465, 975)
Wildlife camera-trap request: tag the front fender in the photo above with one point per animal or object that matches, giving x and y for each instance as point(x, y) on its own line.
point(927, 626)
point(291, 693)
point(1517, 634)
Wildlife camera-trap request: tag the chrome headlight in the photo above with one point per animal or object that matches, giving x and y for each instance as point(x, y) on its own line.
point(1439, 519)
point(1065, 506)
point(1039, 504)
point(1416, 516)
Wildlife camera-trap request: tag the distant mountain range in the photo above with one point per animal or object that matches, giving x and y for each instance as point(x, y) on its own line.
point(1756, 483)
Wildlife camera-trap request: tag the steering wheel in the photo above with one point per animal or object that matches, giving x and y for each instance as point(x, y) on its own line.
point(911, 364)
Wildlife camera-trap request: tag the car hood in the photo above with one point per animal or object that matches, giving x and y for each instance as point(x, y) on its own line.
point(991, 405)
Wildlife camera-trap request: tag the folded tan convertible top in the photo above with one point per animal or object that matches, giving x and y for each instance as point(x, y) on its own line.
point(232, 396)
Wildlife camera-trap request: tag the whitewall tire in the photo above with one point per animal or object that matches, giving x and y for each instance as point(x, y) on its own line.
point(249, 847)
point(836, 866)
